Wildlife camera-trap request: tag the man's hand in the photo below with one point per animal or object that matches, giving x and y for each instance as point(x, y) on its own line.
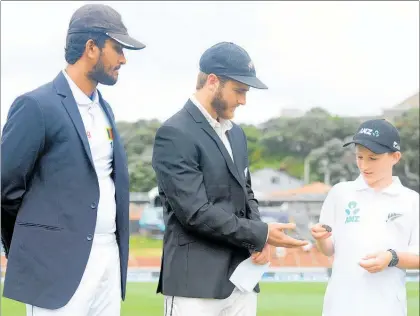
point(276, 236)
point(262, 257)
point(320, 232)
point(377, 262)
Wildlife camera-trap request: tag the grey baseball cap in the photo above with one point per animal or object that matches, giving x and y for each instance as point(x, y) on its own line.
point(103, 19)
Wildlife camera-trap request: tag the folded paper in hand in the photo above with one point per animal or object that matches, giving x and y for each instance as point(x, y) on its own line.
point(248, 274)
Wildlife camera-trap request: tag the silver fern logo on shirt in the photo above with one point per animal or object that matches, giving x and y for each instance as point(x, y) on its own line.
point(393, 216)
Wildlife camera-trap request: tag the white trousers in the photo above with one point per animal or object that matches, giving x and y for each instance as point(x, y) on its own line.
point(99, 292)
point(237, 304)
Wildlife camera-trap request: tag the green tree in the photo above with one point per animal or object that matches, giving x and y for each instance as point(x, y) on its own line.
point(284, 143)
point(142, 177)
point(408, 168)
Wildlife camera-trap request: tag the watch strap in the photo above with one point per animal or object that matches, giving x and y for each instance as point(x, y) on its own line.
point(394, 260)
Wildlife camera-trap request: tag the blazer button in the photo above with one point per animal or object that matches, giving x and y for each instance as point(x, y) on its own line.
point(89, 237)
point(93, 205)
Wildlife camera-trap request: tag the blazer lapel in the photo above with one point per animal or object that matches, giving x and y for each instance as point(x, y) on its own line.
point(69, 103)
point(200, 119)
point(234, 143)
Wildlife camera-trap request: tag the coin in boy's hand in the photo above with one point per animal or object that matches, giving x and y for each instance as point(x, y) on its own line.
point(327, 228)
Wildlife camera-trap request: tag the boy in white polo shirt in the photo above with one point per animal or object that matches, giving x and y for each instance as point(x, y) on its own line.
point(371, 226)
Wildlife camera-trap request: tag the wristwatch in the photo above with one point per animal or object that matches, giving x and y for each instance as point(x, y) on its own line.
point(394, 260)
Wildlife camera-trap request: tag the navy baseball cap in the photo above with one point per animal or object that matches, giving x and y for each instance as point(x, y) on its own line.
point(379, 136)
point(103, 19)
point(232, 61)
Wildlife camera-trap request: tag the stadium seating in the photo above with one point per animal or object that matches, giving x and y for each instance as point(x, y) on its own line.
point(287, 258)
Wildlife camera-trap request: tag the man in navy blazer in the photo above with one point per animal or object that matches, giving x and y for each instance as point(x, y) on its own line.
point(65, 184)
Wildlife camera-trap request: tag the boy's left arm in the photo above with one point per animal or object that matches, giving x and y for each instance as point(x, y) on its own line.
point(411, 258)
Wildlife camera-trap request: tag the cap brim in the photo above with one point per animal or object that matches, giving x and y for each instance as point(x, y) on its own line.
point(372, 146)
point(250, 81)
point(126, 41)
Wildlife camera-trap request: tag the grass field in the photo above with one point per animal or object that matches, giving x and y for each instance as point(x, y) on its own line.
point(142, 246)
point(291, 299)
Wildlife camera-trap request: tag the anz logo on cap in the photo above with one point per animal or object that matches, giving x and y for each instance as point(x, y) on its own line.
point(396, 146)
point(250, 65)
point(369, 132)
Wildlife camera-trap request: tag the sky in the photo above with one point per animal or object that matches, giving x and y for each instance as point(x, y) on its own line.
point(350, 58)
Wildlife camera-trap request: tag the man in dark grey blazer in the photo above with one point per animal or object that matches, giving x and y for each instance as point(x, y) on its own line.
point(65, 188)
point(211, 216)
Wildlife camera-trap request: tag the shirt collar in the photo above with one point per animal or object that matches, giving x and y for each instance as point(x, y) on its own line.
point(393, 189)
point(224, 124)
point(79, 96)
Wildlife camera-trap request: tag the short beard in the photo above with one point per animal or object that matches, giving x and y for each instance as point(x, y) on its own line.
point(99, 74)
point(219, 105)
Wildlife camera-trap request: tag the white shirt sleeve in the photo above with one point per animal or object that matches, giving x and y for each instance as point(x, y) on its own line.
point(327, 215)
point(413, 245)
